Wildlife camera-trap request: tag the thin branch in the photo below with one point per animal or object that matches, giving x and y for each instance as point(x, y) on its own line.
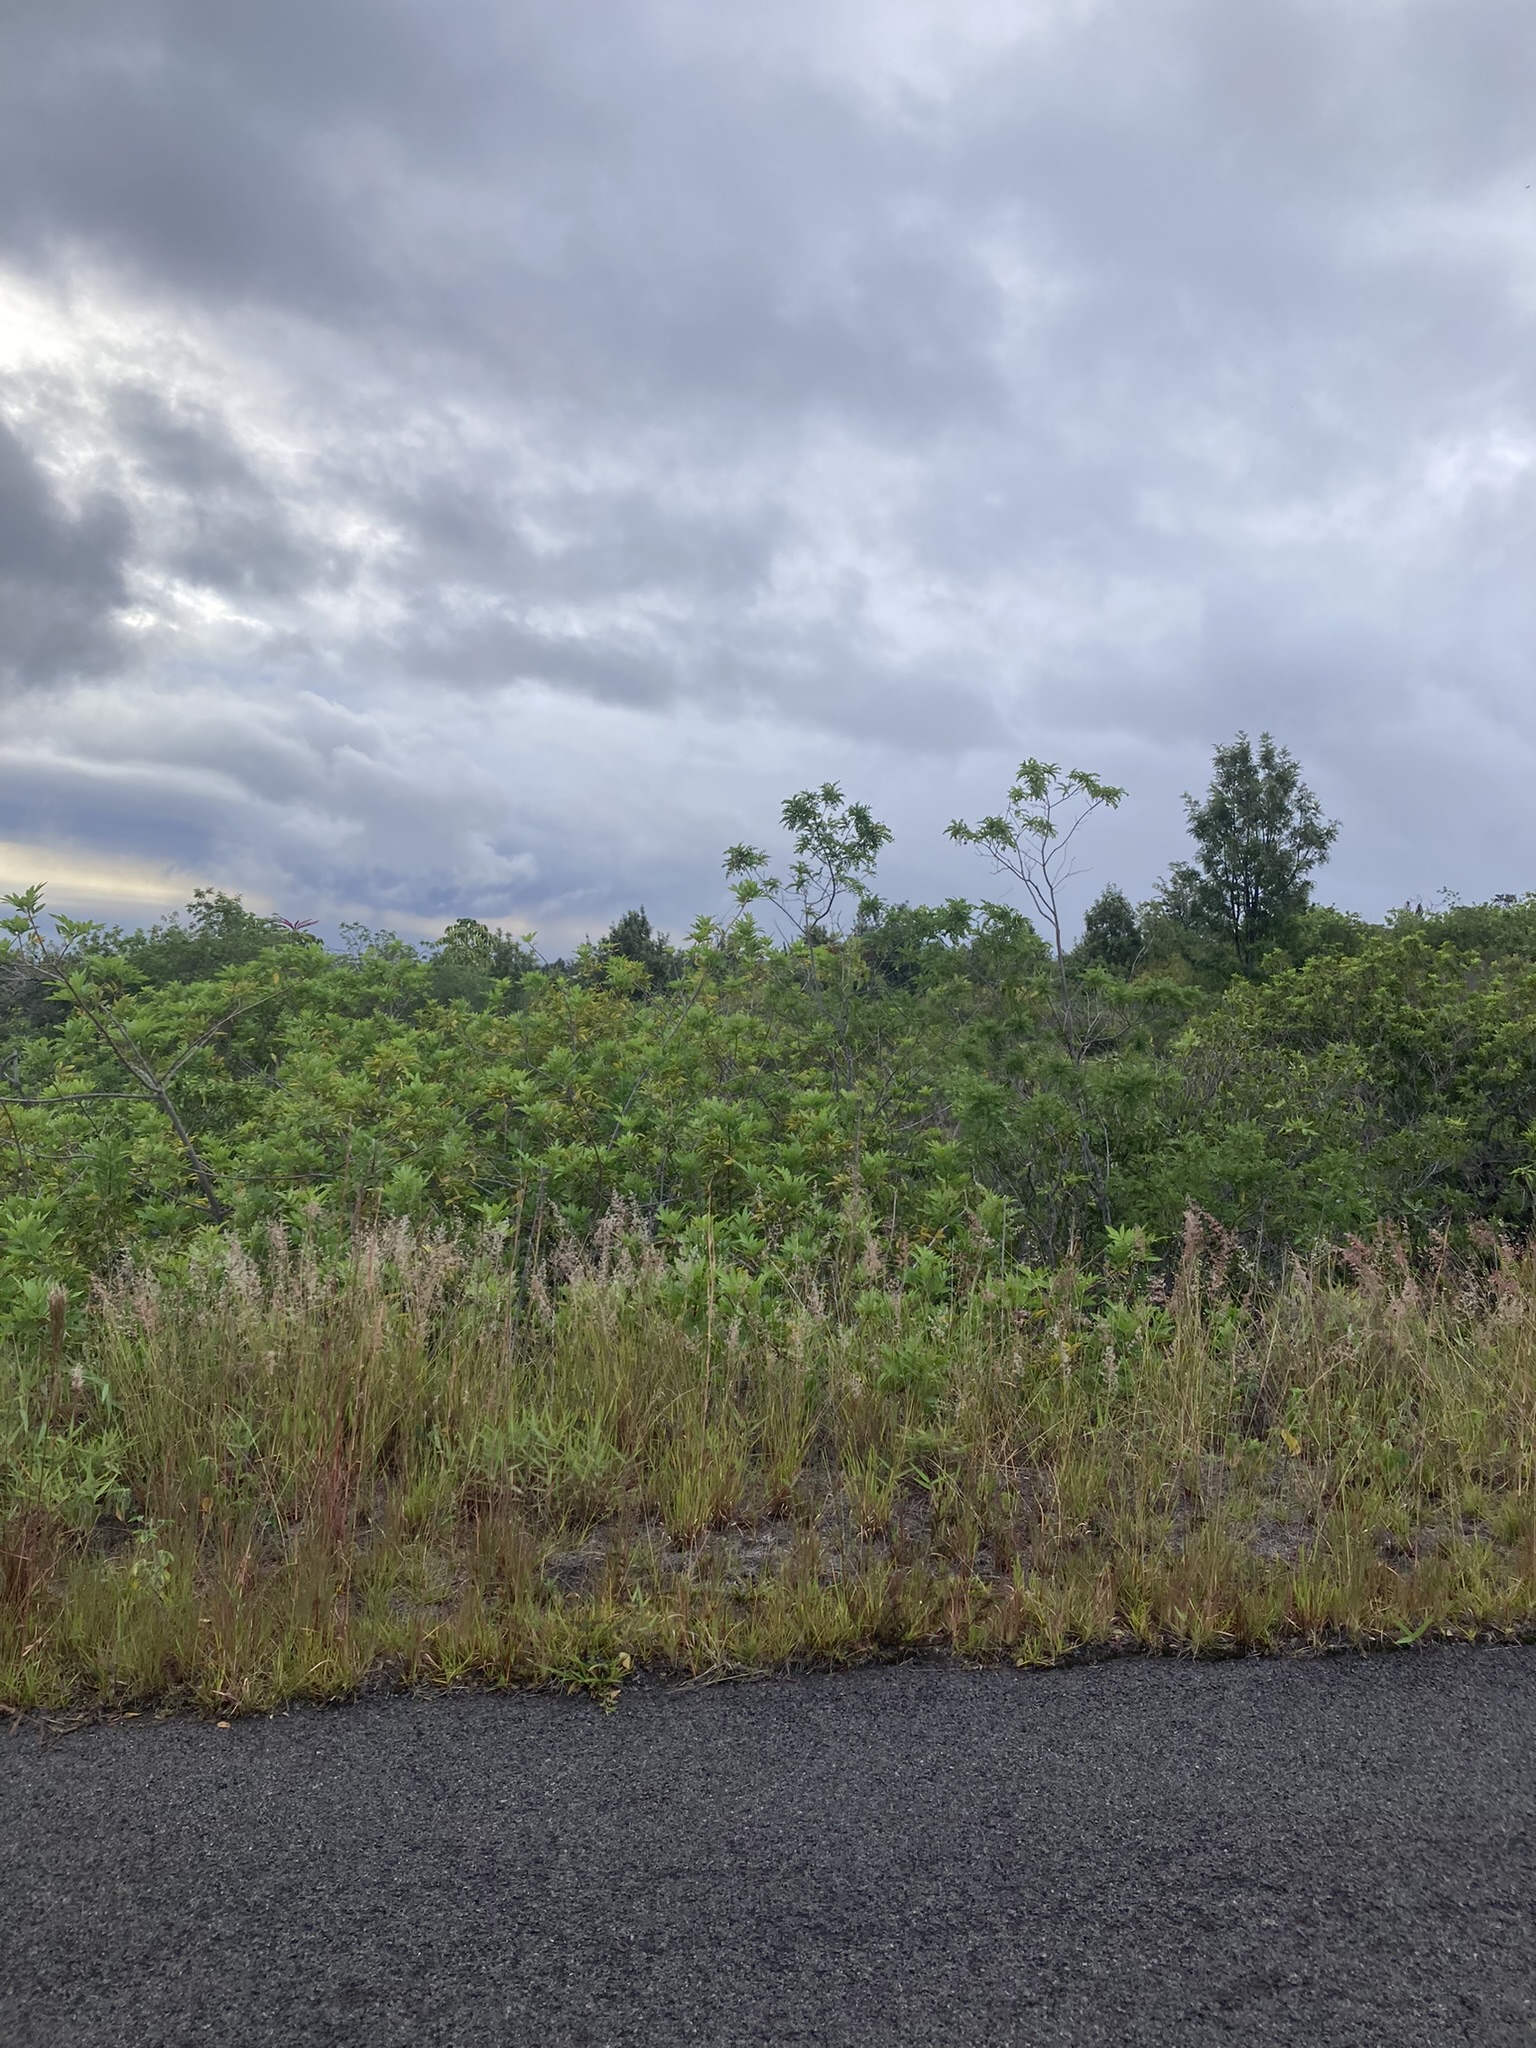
point(55, 970)
point(216, 1030)
point(48, 1101)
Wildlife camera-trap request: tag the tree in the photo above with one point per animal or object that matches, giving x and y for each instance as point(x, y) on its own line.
point(905, 943)
point(836, 846)
point(1259, 835)
point(470, 959)
point(1112, 935)
point(1031, 839)
point(218, 932)
point(632, 937)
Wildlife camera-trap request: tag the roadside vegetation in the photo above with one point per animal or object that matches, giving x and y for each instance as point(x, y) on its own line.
point(848, 1279)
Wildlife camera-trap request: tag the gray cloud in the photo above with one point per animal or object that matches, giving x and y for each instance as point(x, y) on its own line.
point(61, 573)
point(603, 411)
point(224, 527)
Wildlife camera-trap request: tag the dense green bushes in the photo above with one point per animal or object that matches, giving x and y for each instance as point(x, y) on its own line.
point(815, 1072)
point(906, 1077)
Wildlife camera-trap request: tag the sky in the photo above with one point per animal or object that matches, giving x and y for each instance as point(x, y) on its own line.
point(479, 458)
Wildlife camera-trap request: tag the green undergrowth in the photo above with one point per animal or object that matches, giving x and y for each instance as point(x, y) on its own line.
point(275, 1472)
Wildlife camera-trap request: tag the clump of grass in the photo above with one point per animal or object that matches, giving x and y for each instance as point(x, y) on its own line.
point(268, 1476)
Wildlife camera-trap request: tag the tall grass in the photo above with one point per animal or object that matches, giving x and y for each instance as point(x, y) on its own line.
point(280, 1474)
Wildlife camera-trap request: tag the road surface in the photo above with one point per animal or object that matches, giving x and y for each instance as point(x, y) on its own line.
point(1332, 1850)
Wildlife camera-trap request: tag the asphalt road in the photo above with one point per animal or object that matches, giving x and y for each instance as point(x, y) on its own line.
point(1331, 1851)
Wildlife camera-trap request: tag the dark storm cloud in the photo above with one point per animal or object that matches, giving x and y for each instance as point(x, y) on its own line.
point(61, 574)
point(909, 383)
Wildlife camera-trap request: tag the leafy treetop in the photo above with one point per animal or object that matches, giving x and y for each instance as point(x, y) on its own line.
point(1259, 835)
point(836, 846)
point(1031, 837)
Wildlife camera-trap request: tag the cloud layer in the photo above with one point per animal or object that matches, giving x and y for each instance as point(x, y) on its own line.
point(480, 461)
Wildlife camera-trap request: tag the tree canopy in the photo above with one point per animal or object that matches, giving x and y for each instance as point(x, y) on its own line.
point(1259, 836)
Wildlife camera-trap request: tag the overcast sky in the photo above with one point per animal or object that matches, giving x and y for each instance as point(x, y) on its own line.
point(479, 457)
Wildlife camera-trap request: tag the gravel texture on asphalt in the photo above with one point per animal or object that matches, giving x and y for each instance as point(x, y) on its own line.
point(1330, 1850)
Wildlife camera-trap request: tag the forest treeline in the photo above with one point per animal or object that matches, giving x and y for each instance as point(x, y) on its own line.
point(812, 1068)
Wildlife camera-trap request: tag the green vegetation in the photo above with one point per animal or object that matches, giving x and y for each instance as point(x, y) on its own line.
point(849, 1277)
point(470, 1463)
point(1258, 836)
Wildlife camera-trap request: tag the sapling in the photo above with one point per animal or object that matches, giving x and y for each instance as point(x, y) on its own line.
point(1031, 839)
point(836, 845)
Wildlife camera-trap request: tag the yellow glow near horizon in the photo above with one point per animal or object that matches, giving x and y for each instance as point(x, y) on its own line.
point(92, 879)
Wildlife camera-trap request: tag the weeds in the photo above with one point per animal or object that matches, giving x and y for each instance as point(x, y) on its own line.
point(266, 1475)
